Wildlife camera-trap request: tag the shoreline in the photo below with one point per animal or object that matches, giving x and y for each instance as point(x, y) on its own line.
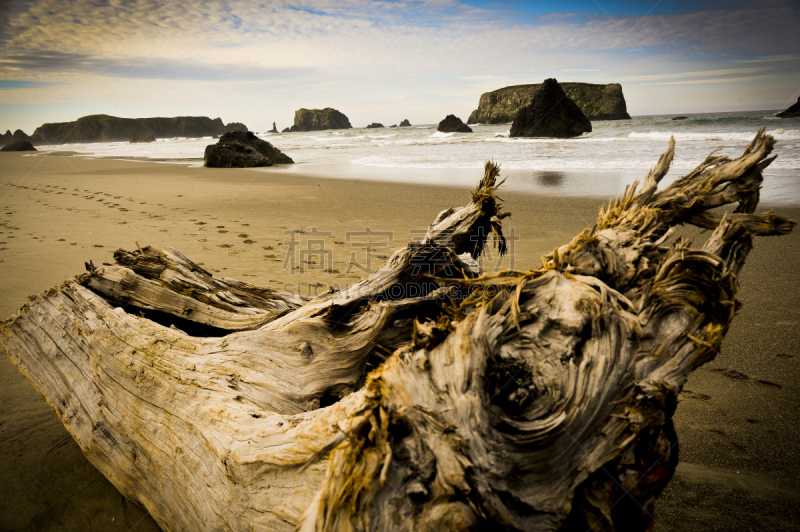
point(736, 417)
point(572, 183)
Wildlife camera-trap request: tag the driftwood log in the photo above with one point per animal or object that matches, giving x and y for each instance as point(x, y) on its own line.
point(425, 397)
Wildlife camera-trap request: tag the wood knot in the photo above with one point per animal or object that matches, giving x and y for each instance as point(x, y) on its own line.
point(306, 351)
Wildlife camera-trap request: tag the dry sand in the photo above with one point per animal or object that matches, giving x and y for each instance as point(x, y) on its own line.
point(738, 418)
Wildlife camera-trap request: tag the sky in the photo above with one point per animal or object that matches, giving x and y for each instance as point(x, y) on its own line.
point(258, 61)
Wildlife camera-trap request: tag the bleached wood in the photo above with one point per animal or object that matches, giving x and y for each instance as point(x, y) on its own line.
point(538, 400)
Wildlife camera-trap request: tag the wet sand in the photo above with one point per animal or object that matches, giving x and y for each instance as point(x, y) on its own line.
point(738, 418)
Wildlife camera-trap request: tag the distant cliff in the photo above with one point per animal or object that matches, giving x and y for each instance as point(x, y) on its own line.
point(105, 128)
point(598, 102)
point(319, 119)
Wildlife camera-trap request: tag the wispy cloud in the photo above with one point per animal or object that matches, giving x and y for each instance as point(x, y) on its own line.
point(772, 59)
point(715, 80)
point(13, 84)
point(722, 72)
point(148, 68)
point(434, 56)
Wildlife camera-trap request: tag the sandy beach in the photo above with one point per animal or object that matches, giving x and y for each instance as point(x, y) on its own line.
point(738, 418)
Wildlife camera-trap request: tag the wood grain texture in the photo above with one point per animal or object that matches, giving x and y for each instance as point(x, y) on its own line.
point(536, 400)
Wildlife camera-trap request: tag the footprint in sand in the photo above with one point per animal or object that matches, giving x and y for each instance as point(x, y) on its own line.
point(739, 376)
point(694, 395)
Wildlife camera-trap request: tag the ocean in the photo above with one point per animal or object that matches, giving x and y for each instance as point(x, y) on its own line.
point(600, 163)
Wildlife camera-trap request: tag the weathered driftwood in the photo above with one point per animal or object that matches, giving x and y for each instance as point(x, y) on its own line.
point(538, 400)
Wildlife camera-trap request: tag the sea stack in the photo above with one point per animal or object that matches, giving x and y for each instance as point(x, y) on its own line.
point(18, 145)
point(319, 119)
point(551, 113)
point(405, 123)
point(235, 126)
point(17, 136)
point(597, 101)
point(239, 149)
point(453, 124)
point(792, 112)
point(274, 128)
point(374, 125)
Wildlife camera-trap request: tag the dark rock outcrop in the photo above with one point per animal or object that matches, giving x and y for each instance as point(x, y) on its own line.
point(239, 149)
point(18, 145)
point(319, 119)
point(405, 123)
point(393, 125)
point(792, 112)
point(681, 117)
point(233, 155)
point(143, 137)
point(274, 129)
point(551, 113)
point(597, 102)
point(286, 130)
point(235, 126)
point(453, 124)
point(18, 135)
point(105, 128)
point(374, 125)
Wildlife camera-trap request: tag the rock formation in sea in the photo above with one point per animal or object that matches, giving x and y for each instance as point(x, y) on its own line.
point(143, 137)
point(374, 125)
point(286, 130)
point(551, 113)
point(319, 119)
point(681, 117)
point(453, 124)
point(598, 102)
point(239, 149)
point(405, 123)
point(792, 112)
point(274, 128)
point(18, 145)
point(106, 128)
point(235, 126)
point(18, 135)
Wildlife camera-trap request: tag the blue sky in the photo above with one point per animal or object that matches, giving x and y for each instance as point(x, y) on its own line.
point(258, 61)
